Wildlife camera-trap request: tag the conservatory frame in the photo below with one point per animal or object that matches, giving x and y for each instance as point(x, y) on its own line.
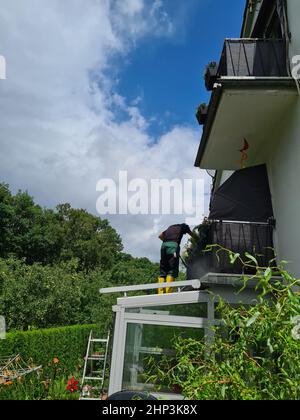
point(157, 317)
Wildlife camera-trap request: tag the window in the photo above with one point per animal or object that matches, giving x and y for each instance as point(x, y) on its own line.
point(268, 23)
point(273, 29)
point(146, 345)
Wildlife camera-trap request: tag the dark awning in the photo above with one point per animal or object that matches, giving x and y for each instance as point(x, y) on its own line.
point(244, 197)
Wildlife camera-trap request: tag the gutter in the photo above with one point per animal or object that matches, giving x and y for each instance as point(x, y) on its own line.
point(236, 83)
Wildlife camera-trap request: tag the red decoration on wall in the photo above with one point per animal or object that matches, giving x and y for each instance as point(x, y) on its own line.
point(244, 156)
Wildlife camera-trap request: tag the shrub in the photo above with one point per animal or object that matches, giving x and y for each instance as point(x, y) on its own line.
point(67, 344)
point(61, 353)
point(36, 296)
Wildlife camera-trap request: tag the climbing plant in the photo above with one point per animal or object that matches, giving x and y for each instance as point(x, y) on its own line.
point(255, 354)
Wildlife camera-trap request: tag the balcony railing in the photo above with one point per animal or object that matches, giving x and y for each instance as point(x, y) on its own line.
point(239, 237)
point(253, 58)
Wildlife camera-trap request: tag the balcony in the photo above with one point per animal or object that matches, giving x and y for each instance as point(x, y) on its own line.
point(253, 58)
point(239, 237)
point(251, 93)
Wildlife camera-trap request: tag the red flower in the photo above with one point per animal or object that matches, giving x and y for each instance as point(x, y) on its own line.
point(72, 385)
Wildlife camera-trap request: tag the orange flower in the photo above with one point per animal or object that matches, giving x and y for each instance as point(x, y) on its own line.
point(8, 383)
point(55, 360)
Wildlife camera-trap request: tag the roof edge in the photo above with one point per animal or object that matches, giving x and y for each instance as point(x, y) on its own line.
point(212, 110)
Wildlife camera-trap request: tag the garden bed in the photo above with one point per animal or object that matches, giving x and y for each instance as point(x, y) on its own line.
point(61, 353)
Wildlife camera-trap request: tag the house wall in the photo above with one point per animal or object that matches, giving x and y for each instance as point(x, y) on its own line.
point(281, 152)
point(284, 166)
point(293, 8)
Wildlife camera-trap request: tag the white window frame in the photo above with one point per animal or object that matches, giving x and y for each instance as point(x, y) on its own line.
point(123, 318)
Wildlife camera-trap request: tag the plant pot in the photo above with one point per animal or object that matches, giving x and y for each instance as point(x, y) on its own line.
point(201, 114)
point(211, 76)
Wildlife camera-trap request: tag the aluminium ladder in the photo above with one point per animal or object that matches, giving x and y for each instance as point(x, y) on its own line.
point(93, 358)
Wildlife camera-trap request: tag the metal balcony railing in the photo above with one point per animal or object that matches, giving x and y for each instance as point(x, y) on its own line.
point(253, 58)
point(239, 237)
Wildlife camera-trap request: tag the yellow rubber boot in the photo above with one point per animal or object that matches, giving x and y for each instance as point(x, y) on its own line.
point(170, 279)
point(161, 280)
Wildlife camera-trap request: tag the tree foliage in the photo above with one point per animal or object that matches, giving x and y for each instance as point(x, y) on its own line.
point(37, 296)
point(51, 236)
point(53, 263)
point(128, 270)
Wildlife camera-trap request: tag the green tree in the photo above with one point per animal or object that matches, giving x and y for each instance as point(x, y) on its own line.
point(44, 296)
point(36, 296)
point(86, 237)
point(130, 270)
point(52, 236)
point(35, 231)
point(53, 263)
point(6, 216)
point(27, 230)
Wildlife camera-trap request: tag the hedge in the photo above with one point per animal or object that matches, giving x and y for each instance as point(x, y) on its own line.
point(67, 344)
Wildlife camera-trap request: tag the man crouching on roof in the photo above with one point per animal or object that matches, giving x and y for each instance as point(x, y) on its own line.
point(170, 251)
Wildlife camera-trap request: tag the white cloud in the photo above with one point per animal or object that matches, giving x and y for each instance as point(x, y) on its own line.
point(131, 7)
point(59, 131)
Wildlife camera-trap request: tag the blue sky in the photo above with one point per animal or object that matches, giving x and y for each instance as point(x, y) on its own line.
point(168, 73)
point(95, 87)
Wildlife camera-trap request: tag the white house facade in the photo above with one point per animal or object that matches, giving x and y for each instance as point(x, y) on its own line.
point(253, 117)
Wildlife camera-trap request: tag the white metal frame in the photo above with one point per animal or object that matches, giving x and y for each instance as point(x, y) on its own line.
point(86, 359)
point(123, 317)
point(129, 318)
point(195, 284)
point(91, 359)
point(163, 300)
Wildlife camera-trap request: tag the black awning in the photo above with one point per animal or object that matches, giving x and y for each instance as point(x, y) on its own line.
point(244, 197)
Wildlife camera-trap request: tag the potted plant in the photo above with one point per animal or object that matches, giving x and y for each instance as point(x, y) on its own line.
point(211, 75)
point(201, 113)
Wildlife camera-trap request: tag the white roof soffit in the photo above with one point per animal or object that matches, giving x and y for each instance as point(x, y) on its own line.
point(243, 111)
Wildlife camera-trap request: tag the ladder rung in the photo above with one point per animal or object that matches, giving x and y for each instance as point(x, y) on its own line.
point(90, 399)
point(95, 355)
point(98, 340)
